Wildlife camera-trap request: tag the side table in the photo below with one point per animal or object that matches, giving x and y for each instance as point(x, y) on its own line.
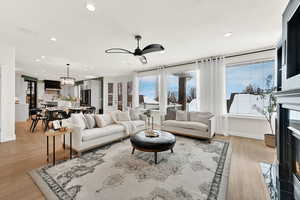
point(53, 134)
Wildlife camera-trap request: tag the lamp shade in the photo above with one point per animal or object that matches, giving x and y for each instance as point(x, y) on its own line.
point(68, 81)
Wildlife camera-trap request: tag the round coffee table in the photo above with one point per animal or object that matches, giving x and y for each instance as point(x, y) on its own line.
point(164, 142)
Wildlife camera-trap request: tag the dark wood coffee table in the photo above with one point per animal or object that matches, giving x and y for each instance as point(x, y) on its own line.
point(164, 142)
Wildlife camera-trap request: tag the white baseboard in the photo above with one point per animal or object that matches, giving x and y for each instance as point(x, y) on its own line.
point(8, 139)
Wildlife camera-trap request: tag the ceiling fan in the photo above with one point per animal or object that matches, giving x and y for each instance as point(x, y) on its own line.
point(138, 52)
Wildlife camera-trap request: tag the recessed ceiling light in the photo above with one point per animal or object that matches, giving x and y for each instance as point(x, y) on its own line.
point(53, 39)
point(42, 57)
point(228, 34)
point(90, 6)
point(37, 60)
point(18, 69)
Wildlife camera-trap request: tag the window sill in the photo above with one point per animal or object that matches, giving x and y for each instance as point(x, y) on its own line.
point(241, 116)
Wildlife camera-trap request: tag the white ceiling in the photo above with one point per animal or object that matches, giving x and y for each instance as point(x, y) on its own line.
point(188, 29)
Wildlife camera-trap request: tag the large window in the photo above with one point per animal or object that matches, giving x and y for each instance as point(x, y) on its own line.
point(244, 83)
point(181, 90)
point(148, 92)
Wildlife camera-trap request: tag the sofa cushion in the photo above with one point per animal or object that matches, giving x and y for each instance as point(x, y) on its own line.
point(138, 123)
point(171, 114)
point(181, 115)
point(123, 116)
point(186, 124)
point(103, 120)
point(90, 134)
point(134, 114)
point(114, 115)
point(90, 120)
point(79, 120)
point(202, 117)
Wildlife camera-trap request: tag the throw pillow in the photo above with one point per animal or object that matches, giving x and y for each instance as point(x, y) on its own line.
point(91, 123)
point(181, 115)
point(114, 116)
point(78, 120)
point(123, 116)
point(103, 120)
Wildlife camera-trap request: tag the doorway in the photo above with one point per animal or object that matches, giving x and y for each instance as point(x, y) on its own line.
point(31, 93)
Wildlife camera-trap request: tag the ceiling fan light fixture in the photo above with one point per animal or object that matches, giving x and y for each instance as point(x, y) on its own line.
point(138, 52)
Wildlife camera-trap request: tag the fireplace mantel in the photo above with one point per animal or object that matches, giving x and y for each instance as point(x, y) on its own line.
point(289, 99)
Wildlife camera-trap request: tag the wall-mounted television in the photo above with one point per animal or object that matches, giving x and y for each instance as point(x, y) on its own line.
point(293, 45)
point(52, 85)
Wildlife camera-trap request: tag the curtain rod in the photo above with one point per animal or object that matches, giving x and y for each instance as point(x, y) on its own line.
point(213, 57)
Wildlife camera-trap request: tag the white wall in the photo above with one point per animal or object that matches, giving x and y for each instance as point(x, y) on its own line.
point(40, 92)
point(67, 90)
point(7, 63)
point(22, 108)
point(115, 81)
point(20, 88)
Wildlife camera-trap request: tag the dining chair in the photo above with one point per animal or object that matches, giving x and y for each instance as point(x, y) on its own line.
point(36, 115)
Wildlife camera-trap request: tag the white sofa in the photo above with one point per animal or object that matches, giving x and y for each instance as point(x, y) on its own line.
point(86, 139)
point(200, 126)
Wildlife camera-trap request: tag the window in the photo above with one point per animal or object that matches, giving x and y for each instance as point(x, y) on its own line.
point(148, 92)
point(181, 89)
point(244, 83)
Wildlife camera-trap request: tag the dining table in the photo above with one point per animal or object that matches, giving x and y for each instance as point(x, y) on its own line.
point(61, 113)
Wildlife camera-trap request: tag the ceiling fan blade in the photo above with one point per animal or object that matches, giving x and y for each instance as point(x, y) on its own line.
point(153, 48)
point(118, 50)
point(143, 59)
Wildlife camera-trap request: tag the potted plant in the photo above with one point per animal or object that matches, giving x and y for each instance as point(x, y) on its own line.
point(268, 110)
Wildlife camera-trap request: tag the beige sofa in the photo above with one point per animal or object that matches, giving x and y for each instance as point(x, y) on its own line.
point(84, 139)
point(200, 125)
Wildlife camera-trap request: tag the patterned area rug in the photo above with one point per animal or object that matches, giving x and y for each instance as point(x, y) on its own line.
point(195, 171)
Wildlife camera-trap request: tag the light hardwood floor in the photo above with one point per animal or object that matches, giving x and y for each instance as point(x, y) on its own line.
point(29, 152)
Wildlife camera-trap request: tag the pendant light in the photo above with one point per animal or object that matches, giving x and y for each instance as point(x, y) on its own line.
point(68, 81)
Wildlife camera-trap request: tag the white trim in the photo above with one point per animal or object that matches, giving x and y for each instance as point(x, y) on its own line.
point(8, 139)
point(296, 131)
point(242, 116)
point(250, 62)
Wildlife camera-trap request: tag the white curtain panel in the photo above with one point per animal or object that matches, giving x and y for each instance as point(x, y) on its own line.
point(163, 92)
point(198, 87)
point(213, 91)
point(135, 91)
